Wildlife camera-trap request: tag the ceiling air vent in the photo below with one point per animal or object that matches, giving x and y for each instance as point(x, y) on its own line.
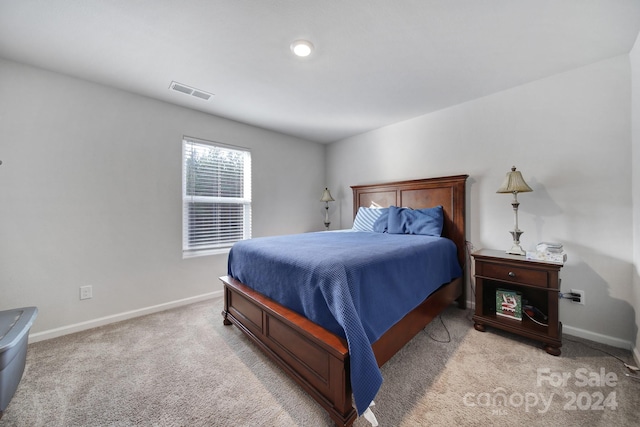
point(188, 90)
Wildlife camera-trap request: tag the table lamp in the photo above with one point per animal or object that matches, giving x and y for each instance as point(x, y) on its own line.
point(326, 198)
point(514, 183)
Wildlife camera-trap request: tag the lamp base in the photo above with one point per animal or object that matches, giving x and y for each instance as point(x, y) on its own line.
point(327, 223)
point(516, 249)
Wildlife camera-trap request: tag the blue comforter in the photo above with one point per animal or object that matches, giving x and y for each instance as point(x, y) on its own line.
point(355, 284)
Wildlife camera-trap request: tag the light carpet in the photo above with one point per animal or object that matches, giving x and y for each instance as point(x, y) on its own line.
point(183, 367)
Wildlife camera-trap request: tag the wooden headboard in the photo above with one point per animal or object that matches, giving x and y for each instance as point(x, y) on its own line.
point(423, 193)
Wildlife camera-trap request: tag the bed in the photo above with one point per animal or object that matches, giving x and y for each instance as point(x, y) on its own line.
point(318, 358)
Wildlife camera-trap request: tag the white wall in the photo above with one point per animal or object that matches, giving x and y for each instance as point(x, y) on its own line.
point(635, 132)
point(570, 136)
point(90, 194)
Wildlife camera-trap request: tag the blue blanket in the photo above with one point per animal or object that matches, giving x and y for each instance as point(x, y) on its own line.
point(355, 284)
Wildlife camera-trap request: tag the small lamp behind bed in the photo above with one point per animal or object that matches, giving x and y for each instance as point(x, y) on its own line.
point(326, 198)
point(514, 184)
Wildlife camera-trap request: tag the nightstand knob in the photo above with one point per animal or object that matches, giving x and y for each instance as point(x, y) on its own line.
point(512, 274)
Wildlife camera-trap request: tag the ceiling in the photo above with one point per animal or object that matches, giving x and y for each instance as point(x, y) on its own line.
point(375, 62)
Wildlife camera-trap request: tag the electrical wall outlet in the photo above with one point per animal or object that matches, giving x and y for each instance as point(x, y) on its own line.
point(579, 292)
point(86, 292)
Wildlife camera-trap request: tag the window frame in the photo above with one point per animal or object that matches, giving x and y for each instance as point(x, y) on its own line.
point(189, 249)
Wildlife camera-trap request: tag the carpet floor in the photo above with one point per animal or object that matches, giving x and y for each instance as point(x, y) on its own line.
point(183, 367)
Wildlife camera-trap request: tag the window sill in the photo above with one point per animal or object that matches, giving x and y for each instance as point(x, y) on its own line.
point(205, 252)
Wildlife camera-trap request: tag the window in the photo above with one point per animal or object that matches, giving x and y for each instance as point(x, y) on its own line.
point(216, 196)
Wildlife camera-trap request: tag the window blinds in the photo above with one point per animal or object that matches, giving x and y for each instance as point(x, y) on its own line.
point(216, 196)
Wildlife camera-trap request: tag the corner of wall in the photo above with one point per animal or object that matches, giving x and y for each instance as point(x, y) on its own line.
point(634, 59)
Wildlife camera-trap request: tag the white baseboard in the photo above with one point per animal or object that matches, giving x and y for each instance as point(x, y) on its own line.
point(471, 305)
point(94, 323)
point(594, 336)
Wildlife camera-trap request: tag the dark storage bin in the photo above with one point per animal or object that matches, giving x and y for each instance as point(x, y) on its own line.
point(14, 333)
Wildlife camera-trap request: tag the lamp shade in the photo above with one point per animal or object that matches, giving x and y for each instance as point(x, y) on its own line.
point(514, 183)
point(326, 196)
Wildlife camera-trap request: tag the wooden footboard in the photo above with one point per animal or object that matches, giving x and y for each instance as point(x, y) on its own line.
point(312, 356)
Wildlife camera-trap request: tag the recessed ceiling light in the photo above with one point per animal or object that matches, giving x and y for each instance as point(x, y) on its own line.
point(301, 48)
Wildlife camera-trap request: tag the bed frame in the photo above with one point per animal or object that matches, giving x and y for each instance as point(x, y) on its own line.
point(314, 357)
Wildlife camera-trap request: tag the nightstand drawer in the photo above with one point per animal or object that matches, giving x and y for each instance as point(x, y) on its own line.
point(514, 274)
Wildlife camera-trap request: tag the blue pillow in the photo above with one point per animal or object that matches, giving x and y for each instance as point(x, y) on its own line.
point(366, 217)
point(416, 221)
point(380, 226)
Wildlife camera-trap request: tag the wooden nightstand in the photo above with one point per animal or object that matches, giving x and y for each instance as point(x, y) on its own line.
point(537, 281)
